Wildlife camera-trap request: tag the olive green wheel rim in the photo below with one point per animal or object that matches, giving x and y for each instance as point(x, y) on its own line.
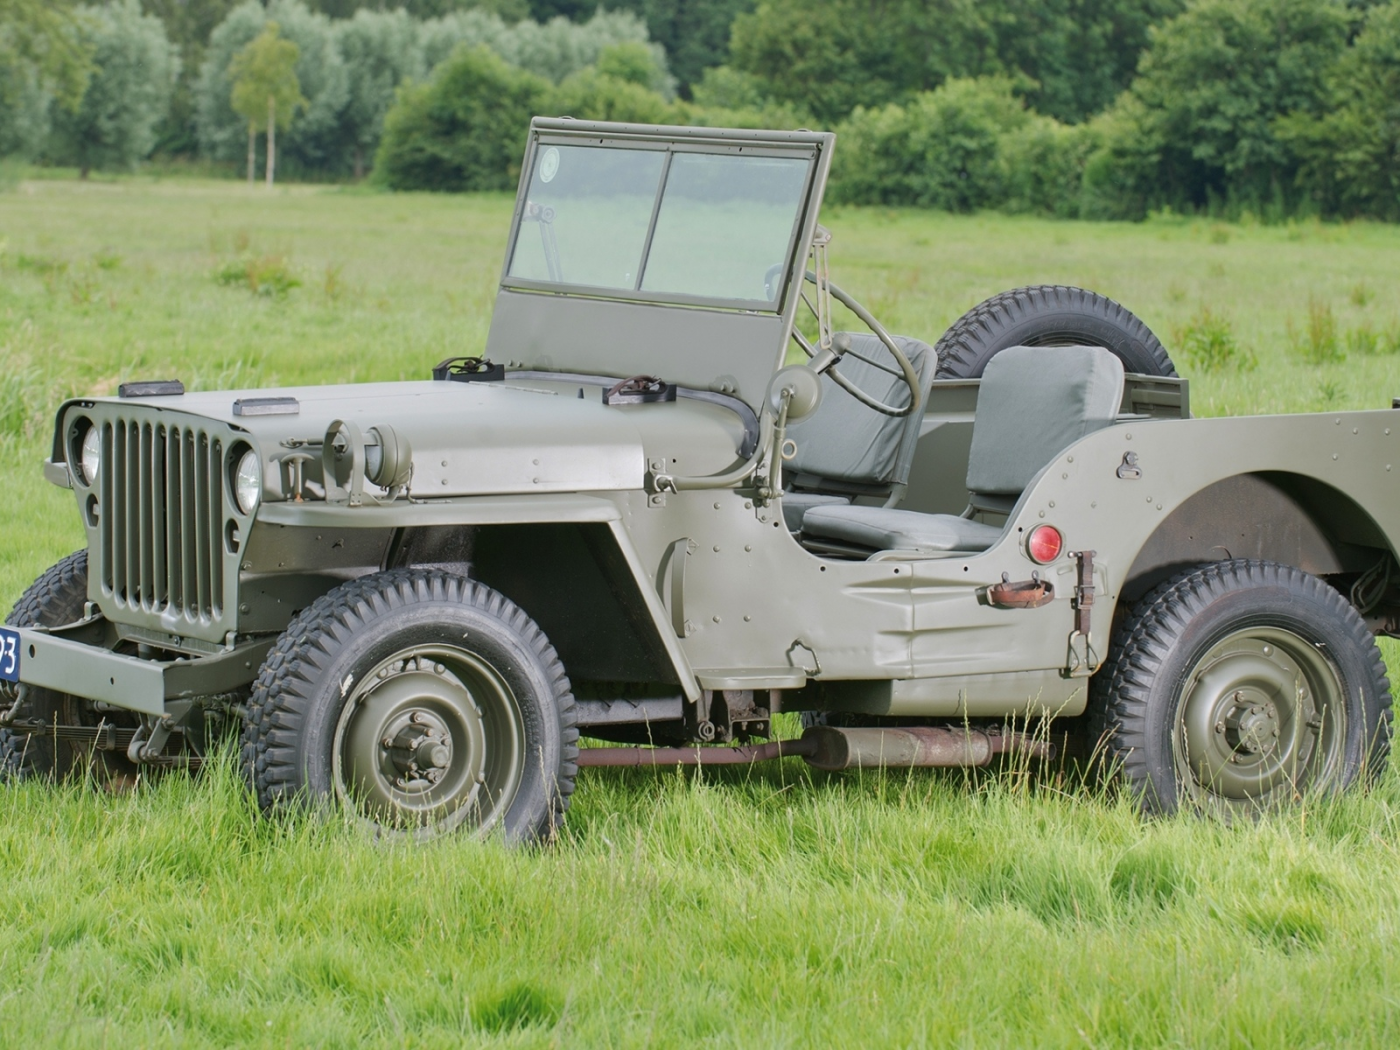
point(432, 737)
point(1262, 715)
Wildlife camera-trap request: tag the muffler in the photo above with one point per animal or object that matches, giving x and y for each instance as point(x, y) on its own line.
point(831, 747)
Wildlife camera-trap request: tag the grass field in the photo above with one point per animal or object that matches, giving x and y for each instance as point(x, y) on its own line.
point(765, 908)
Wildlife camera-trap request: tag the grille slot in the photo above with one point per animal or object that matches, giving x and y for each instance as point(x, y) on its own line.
point(161, 513)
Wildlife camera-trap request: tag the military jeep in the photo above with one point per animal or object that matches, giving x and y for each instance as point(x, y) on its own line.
point(669, 501)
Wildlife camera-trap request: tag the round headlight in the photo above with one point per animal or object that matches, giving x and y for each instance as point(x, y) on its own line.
point(92, 454)
point(247, 481)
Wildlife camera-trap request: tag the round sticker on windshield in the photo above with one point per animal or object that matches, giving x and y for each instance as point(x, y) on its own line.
point(549, 165)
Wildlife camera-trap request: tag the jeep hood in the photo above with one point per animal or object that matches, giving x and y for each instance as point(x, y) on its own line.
point(467, 438)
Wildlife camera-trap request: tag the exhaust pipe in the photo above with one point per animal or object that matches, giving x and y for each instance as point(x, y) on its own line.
point(833, 748)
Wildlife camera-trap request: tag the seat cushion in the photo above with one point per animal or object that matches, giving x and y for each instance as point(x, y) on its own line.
point(797, 504)
point(1033, 403)
point(897, 530)
point(844, 440)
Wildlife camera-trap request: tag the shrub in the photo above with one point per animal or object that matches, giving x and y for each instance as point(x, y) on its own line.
point(1208, 343)
point(269, 276)
point(943, 150)
point(1198, 128)
point(463, 130)
point(595, 95)
point(1317, 340)
point(1347, 151)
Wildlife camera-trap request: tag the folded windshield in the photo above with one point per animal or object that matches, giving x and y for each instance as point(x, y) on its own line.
point(661, 223)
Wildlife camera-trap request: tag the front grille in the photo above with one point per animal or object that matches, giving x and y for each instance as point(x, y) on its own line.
point(162, 509)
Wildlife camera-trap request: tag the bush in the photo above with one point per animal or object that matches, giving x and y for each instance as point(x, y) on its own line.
point(943, 150)
point(1198, 129)
point(1347, 155)
point(463, 130)
point(1208, 343)
point(1317, 341)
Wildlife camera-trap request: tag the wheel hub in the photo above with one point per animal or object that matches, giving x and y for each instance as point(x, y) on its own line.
point(417, 749)
point(431, 735)
point(1252, 726)
point(1250, 722)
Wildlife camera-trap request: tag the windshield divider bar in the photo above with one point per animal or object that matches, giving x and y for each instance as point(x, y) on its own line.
point(651, 226)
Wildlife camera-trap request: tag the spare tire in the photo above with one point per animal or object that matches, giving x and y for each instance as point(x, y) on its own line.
point(1048, 315)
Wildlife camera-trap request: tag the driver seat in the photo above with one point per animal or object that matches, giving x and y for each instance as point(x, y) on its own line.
point(846, 449)
point(1034, 402)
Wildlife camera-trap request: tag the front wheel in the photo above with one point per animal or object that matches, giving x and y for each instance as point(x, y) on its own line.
point(423, 703)
point(1240, 685)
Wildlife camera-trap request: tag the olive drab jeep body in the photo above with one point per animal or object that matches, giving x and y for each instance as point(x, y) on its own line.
point(632, 519)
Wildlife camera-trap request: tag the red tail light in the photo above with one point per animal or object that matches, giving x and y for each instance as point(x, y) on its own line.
point(1044, 544)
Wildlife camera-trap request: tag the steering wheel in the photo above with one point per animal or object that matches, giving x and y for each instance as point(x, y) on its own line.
point(840, 347)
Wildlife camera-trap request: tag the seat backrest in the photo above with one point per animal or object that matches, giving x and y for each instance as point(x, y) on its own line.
point(1034, 402)
point(844, 440)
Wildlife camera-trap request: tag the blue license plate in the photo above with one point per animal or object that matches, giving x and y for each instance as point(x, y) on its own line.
point(9, 655)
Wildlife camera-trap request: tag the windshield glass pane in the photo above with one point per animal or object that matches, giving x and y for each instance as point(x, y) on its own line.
point(725, 222)
point(587, 215)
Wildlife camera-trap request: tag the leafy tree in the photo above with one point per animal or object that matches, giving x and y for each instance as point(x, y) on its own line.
point(695, 33)
point(381, 50)
point(511, 10)
point(266, 90)
point(554, 50)
point(463, 130)
point(134, 70)
point(40, 35)
point(1349, 156)
point(1069, 57)
point(188, 24)
point(317, 141)
point(1198, 128)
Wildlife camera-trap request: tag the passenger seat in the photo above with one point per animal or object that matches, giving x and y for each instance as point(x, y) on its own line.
point(1034, 402)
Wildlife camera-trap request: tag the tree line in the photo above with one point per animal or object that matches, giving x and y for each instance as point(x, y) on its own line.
point(1077, 108)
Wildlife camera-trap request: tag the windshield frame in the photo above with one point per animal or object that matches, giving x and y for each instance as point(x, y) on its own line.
point(670, 141)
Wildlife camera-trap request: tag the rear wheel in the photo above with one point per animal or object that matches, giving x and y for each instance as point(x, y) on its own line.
point(422, 702)
point(1241, 685)
point(1048, 315)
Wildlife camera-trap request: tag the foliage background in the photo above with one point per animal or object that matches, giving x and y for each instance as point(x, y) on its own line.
point(1072, 108)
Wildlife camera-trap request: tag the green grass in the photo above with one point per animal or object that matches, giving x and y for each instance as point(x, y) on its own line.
point(764, 908)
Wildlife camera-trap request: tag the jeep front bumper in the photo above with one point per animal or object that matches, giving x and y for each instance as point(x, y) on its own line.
point(50, 661)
